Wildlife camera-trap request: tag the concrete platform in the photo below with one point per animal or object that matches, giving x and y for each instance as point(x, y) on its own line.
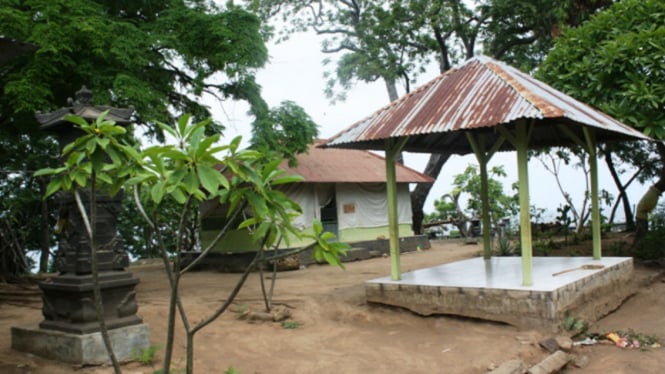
point(83, 349)
point(492, 290)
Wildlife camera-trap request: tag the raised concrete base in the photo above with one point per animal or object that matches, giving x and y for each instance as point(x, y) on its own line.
point(84, 349)
point(237, 262)
point(492, 290)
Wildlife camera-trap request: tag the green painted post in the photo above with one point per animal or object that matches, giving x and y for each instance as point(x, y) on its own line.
point(483, 157)
point(392, 150)
point(521, 145)
point(595, 209)
point(485, 210)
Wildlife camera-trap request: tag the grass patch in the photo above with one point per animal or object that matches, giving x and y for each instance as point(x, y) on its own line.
point(291, 324)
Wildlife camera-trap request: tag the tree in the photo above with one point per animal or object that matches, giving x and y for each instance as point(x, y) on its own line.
point(551, 161)
point(287, 130)
point(185, 173)
point(640, 162)
point(614, 62)
point(154, 55)
point(522, 32)
point(468, 183)
point(158, 56)
point(395, 41)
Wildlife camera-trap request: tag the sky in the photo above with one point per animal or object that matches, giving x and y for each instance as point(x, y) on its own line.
point(295, 73)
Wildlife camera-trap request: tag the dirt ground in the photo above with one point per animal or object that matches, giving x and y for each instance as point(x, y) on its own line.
point(338, 332)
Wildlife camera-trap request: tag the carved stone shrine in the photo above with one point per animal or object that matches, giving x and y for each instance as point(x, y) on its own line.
point(68, 302)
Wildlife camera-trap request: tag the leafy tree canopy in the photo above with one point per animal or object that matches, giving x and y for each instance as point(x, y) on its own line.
point(154, 55)
point(287, 130)
point(615, 62)
point(158, 56)
point(469, 183)
point(397, 40)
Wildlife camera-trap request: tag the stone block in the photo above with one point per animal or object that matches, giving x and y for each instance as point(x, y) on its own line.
point(511, 367)
point(551, 364)
point(80, 349)
point(565, 343)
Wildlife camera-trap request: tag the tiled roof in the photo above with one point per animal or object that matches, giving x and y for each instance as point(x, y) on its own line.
point(321, 165)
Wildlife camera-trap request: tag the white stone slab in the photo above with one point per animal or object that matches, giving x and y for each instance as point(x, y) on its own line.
point(504, 273)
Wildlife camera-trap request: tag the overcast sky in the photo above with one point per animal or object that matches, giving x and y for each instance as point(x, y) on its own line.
point(295, 73)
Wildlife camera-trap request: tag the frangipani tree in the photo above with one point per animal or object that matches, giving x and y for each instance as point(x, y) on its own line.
point(185, 172)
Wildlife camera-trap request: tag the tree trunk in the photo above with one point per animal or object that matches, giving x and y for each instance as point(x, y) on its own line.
point(649, 201)
point(630, 222)
point(419, 194)
point(391, 88)
point(91, 226)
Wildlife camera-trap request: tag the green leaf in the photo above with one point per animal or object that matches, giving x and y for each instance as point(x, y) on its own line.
point(327, 236)
point(174, 154)
point(183, 121)
point(258, 204)
point(105, 178)
point(91, 145)
point(235, 144)
point(76, 120)
point(209, 178)
point(157, 192)
point(114, 156)
point(168, 129)
point(179, 196)
point(81, 179)
point(248, 223)
point(45, 171)
point(224, 181)
point(287, 179)
point(318, 254)
point(317, 226)
point(191, 182)
point(195, 139)
point(54, 186)
point(103, 142)
point(203, 148)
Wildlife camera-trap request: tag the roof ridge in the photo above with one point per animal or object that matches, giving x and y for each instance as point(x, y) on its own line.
point(505, 72)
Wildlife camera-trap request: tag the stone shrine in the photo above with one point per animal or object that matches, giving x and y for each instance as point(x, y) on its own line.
point(70, 330)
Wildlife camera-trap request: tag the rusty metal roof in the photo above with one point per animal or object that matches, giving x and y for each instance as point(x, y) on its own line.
point(329, 165)
point(477, 96)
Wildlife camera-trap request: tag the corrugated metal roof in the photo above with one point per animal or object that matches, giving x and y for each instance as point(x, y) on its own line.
point(477, 96)
point(329, 165)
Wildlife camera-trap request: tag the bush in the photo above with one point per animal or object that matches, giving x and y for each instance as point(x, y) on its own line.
point(651, 247)
point(505, 248)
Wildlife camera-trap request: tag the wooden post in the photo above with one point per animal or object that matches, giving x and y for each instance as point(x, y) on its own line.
point(595, 208)
point(393, 148)
point(525, 215)
point(589, 145)
point(483, 157)
point(520, 140)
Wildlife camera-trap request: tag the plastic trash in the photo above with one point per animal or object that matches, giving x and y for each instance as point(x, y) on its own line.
point(587, 341)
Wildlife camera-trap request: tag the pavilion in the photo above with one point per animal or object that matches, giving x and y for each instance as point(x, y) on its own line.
point(482, 107)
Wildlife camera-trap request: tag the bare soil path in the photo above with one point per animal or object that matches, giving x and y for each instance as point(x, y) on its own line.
point(338, 332)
